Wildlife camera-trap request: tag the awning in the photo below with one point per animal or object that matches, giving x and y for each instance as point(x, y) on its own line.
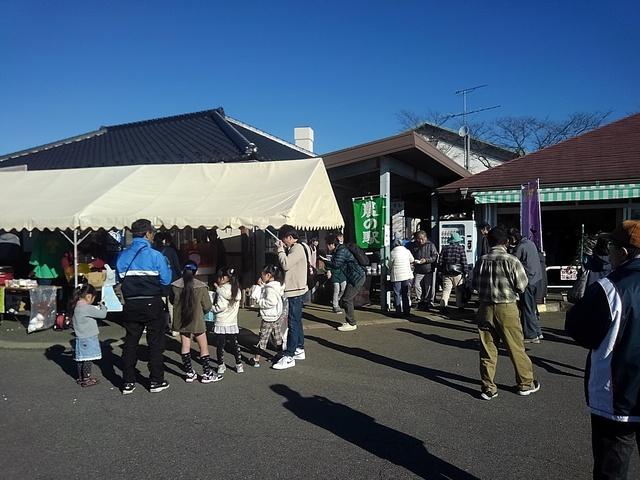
point(259, 194)
point(564, 194)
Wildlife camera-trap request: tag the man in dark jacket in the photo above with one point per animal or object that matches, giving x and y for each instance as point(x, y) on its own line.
point(143, 272)
point(342, 258)
point(426, 256)
point(607, 321)
point(527, 252)
point(483, 241)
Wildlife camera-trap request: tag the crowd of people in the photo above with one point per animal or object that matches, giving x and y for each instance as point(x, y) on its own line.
point(505, 277)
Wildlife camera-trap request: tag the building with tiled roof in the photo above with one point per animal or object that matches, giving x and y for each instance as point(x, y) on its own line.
point(201, 137)
point(592, 180)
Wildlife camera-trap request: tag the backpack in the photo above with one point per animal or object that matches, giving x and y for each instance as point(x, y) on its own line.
point(311, 271)
point(359, 254)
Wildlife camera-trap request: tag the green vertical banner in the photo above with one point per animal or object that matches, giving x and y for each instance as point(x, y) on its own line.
point(368, 213)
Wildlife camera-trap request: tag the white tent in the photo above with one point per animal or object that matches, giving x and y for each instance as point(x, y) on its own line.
point(259, 194)
point(256, 194)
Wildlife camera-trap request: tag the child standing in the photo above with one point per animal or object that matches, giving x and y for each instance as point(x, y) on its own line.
point(190, 298)
point(226, 305)
point(87, 345)
point(269, 293)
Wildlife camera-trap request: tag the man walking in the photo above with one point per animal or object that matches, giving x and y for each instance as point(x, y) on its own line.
point(499, 277)
point(293, 261)
point(143, 272)
point(342, 258)
point(527, 252)
point(453, 266)
point(607, 321)
point(426, 255)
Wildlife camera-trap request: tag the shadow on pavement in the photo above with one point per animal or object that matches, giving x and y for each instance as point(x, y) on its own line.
point(64, 358)
point(435, 375)
point(364, 432)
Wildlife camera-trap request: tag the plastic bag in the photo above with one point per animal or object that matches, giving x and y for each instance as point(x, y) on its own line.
point(43, 308)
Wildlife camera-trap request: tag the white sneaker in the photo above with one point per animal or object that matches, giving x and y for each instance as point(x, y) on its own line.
point(347, 327)
point(299, 355)
point(222, 368)
point(284, 363)
point(239, 368)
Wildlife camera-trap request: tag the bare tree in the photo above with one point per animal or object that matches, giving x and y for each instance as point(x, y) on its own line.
point(528, 134)
point(409, 120)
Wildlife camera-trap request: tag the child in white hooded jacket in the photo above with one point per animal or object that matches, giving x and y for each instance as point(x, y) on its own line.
point(269, 295)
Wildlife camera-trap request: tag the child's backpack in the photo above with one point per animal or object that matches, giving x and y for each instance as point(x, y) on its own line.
point(359, 254)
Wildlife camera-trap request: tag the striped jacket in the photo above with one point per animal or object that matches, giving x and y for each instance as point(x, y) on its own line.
point(607, 321)
point(146, 270)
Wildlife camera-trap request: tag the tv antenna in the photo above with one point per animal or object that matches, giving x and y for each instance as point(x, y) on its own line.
point(464, 130)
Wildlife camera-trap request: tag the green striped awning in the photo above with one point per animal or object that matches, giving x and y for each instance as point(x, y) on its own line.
point(564, 194)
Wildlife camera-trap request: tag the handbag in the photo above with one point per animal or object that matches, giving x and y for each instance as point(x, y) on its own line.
point(454, 269)
point(576, 292)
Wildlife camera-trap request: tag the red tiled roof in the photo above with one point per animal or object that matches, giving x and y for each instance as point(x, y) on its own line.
point(609, 154)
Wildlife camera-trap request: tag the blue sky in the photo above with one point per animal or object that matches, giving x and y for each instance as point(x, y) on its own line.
point(346, 68)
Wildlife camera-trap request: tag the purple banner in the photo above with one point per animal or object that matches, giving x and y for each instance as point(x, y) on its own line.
point(530, 218)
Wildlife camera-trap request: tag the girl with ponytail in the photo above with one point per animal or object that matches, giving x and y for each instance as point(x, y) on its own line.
point(85, 326)
point(191, 301)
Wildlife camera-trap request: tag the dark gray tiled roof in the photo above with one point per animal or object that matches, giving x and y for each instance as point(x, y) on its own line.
point(201, 137)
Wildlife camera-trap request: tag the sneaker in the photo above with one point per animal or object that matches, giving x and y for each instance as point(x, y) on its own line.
point(190, 376)
point(299, 354)
point(532, 389)
point(337, 311)
point(347, 327)
point(239, 368)
point(128, 388)
point(254, 363)
point(222, 368)
point(210, 377)
point(284, 363)
point(540, 337)
point(156, 387)
point(486, 395)
point(532, 340)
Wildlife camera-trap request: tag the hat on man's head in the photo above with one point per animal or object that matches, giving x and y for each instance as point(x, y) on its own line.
point(626, 234)
point(455, 238)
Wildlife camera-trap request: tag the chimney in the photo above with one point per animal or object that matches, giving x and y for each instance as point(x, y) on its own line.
point(304, 137)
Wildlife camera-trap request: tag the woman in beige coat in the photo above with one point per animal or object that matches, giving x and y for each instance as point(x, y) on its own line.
point(191, 300)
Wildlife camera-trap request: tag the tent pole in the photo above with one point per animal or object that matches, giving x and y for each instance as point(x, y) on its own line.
point(75, 257)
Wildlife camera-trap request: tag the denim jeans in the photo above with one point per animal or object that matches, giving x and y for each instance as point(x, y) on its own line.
point(141, 313)
point(529, 313)
point(295, 337)
point(423, 284)
point(401, 296)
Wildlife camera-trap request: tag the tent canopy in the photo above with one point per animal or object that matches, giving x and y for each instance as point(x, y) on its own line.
point(296, 192)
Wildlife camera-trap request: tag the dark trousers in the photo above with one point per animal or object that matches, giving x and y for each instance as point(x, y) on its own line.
point(295, 335)
point(221, 340)
point(401, 296)
point(612, 444)
point(349, 296)
point(529, 313)
point(138, 314)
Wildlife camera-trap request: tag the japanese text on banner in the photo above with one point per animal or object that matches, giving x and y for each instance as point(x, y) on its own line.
point(369, 215)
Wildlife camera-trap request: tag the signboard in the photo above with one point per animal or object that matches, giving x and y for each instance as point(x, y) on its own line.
point(369, 216)
point(568, 274)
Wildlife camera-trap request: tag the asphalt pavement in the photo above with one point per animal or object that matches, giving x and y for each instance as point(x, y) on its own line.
point(395, 399)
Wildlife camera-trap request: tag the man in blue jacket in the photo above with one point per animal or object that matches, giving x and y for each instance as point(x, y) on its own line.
point(607, 321)
point(142, 272)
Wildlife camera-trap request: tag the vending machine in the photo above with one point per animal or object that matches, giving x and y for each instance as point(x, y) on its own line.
point(467, 230)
